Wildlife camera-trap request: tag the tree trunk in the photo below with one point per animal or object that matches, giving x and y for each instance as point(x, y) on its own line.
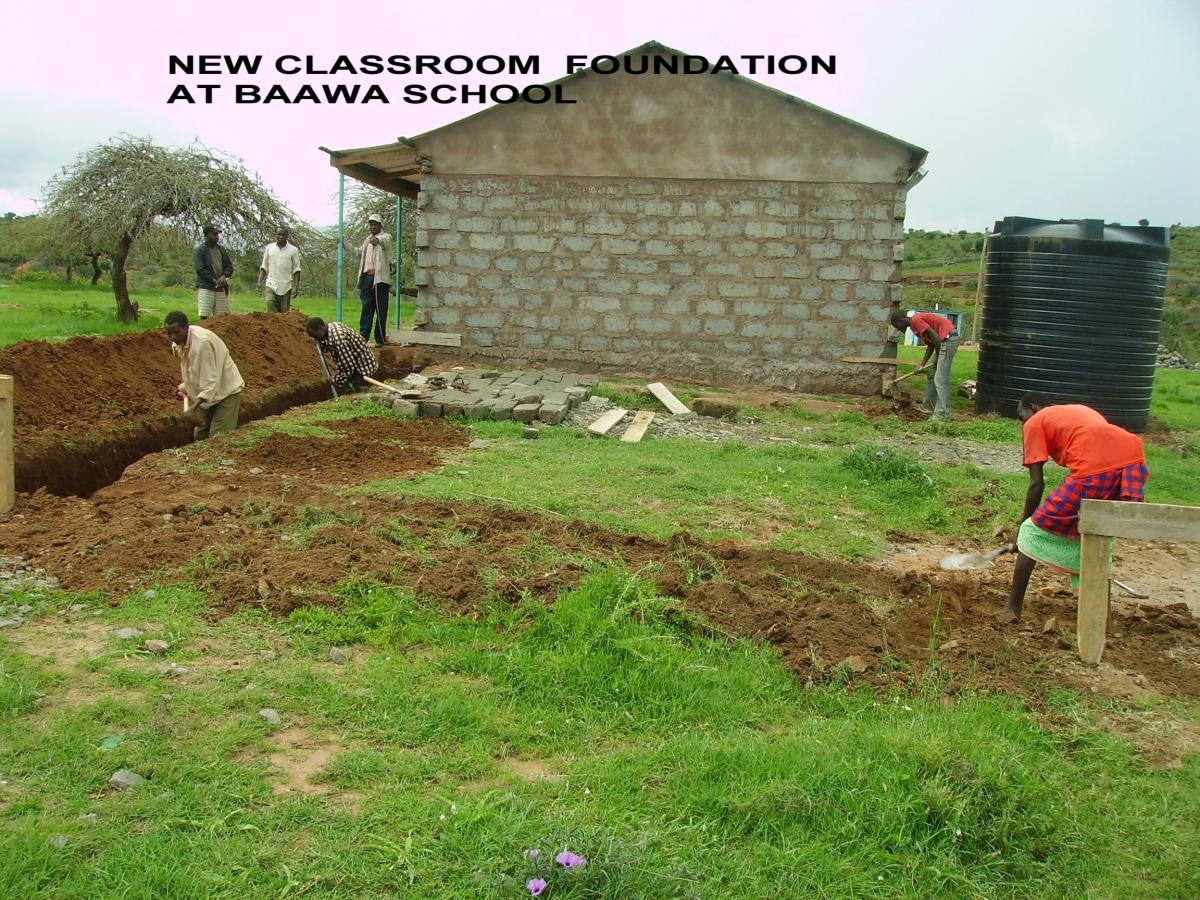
point(126, 311)
point(70, 273)
point(95, 267)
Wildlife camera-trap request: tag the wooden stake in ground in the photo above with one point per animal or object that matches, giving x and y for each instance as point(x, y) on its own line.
point(667, 399)
point(1099, 522)
point(605, 423)
point(637, 428)
point(7, 471)
point(1091, 623)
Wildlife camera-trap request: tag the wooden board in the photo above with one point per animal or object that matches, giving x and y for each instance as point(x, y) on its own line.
point(605, 423)
point(1141, 521)
point(637, 428)
point(667, 399)
point(436, 338)
point(1091, 623)
point(877, 360)
point(7, 470)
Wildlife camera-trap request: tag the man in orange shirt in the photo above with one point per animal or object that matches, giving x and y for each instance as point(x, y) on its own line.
point(939, 336)
point(1103, 462)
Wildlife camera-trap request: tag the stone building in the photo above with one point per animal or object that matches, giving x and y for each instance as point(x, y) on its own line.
point(699, 227)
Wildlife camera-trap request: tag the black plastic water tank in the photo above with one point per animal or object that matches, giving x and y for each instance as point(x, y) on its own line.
point(1072, 309)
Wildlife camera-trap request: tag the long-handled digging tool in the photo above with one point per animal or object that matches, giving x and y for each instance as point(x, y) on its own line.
point(971, 562)
point(891, 387)
point(917, 371)
point(325, 368)
point(387, 387)
point(889, 380)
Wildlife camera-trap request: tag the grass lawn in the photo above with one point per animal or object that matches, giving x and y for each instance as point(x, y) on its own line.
point(678, 761)
point(677, 765)
point(53, 311)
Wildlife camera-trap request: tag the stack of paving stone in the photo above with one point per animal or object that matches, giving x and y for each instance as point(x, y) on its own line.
point(1171, 359)
point(487, 394)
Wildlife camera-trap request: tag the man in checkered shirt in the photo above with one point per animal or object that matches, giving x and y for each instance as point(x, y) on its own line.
point(348, 349)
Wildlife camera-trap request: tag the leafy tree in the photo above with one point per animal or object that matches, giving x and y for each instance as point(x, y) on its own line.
point(115, 194)
point(34, 239)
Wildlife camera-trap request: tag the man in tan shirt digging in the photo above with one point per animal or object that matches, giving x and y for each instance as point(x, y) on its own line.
point(212, 385)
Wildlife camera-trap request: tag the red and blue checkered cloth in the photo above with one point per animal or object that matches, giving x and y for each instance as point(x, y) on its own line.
point(1059, 513)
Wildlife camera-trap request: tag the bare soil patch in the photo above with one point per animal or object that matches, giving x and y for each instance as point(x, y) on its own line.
point(368, 448)
point(298, 757)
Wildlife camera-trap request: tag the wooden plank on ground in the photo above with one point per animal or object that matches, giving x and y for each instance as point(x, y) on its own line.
point(436, 338)
point(1141, 521)
point(637, 428)
point(1091, 624)
point(605, 423)
point(877, 360)
point(667, 399)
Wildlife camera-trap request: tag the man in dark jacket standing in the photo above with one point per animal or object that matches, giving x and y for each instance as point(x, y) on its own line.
point(213, 270)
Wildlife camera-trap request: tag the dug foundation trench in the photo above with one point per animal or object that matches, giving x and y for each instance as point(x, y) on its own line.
point(87, 408)
point(80, 469)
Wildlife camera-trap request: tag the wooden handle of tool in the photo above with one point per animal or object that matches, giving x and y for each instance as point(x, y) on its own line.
point(369, 380)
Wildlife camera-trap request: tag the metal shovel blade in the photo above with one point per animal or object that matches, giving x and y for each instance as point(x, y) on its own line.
point(970, 562)
point(965, 562)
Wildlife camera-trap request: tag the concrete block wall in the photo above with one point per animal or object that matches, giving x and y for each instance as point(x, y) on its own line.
point(708, 280)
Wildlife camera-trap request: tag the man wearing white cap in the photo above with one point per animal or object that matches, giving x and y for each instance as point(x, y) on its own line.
point(374, 280)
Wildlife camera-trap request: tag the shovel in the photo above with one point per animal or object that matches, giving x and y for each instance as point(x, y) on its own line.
point(891, 383)
point(917, 371)
point(325, 369)
point(970, 562)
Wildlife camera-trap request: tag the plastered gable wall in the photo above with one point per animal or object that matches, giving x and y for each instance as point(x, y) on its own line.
point(670, 126)
point(765, 282)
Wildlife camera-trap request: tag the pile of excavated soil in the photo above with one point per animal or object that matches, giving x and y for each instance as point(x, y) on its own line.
point(87, 408)
point(283, 535)
point(372, 448)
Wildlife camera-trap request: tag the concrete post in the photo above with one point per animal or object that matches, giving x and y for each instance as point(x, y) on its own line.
point(7, 470)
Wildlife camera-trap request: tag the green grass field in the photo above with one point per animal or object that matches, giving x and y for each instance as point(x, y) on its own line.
point(52, 311)
point(678, 762)
point(677, 765)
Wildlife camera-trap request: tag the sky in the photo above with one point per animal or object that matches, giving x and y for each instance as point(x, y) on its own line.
point(1047, 109)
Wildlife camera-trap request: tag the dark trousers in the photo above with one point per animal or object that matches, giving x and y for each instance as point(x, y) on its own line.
point(374, 305)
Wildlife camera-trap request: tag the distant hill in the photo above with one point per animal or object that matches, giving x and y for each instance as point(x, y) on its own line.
point(941, 268)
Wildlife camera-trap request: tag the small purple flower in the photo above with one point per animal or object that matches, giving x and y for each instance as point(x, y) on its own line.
point(533, 853)
point(535, 886)
point(569, 860)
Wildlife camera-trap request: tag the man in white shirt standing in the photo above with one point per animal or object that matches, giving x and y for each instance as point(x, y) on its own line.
point(374, 280)
point(280, 272)
point(212, 385)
